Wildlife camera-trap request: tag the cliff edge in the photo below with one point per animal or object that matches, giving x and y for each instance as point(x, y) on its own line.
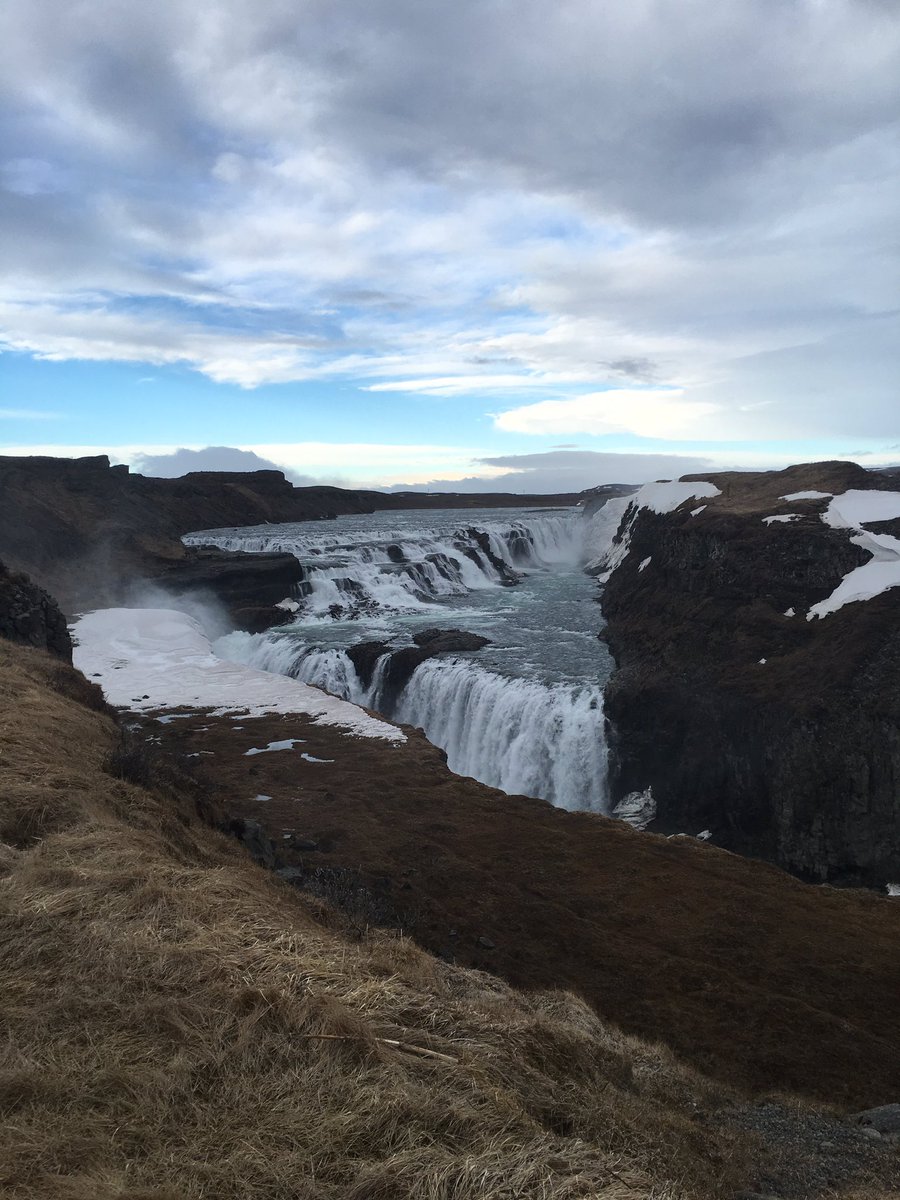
point(755, 626)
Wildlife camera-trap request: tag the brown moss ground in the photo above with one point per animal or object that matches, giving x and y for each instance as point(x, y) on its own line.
point(178, 1023)
point(766, 983)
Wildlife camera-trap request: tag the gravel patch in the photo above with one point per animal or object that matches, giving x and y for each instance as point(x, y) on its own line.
point(813, 1156)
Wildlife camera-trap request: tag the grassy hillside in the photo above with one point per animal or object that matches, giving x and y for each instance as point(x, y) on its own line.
point(751, 976)
point(178, 1023)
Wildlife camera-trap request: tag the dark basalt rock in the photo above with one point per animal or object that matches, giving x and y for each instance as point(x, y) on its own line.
point(508, 577)
point(365, 656)
point(443, 641)
point(403, 661)
point(796, 758)
point(233, 575)
point(258, 618)
point(253, 835)
point(885, 1119)
point(31, 617)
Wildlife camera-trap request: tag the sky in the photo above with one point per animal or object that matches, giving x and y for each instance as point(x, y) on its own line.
point(479, 244)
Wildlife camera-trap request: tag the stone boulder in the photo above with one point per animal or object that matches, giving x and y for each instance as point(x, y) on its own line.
point(31, 617)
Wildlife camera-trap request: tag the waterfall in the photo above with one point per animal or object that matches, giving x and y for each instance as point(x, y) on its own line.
point(527, 724)
point(519, 735)
point(368, 570)
point(522, 736)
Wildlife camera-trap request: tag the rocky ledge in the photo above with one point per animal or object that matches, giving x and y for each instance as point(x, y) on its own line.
point(778, 734)
point(404, 659)
point(31, 617)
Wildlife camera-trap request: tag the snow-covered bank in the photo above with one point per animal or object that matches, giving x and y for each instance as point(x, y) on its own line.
point(607, 537)
point(152, 659)
point(854, 510)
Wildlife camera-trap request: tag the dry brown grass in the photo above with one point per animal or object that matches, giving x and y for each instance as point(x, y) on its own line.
point(163, 1001)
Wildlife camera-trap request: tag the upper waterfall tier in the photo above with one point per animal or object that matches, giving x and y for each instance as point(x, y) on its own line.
point(363, 568)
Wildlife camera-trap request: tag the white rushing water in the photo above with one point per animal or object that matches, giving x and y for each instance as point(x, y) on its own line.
point(363, 565)
point(518, 735)
point(525, 714)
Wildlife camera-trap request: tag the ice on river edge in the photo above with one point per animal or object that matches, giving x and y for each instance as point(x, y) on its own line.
point(150, 659)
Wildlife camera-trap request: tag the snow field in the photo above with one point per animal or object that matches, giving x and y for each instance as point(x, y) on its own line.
point(150, 659)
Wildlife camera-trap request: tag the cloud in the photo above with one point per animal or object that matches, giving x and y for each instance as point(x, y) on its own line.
point(28, 414)
point(210, 458)
point(695, 198)
point(567, 471)
point(663, 414)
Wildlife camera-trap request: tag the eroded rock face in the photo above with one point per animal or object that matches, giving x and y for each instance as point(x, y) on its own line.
point(780, 735)
point(31, 617)
point(248, 586)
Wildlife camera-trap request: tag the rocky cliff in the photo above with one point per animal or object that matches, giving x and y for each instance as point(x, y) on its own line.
point(31, 617)
point(780, 735)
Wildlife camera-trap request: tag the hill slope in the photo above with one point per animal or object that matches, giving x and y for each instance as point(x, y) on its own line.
point(758, 979)
point(179, 1023)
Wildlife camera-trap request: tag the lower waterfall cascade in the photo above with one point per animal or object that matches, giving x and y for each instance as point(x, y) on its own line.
point(526, 713)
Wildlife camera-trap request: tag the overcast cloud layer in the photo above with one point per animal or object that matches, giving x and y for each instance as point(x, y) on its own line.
point(670, 219)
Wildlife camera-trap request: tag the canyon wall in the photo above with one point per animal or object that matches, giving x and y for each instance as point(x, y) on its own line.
point(778, 734)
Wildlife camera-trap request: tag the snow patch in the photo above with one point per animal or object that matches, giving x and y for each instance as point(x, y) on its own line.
point(165, 656)
point(853, 510)
point(790, 612)
point(782, 518)
point(645, 563)
point(261, 798)
point(287, 744)
point(704, 835)
point(602, 551)
point(312, 758)
point(893, 889)
point(695, 512)
point(763, 661)
point(666, 497)
point(808, 496)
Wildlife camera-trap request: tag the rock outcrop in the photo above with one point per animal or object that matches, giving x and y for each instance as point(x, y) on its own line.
point(31, 617)
point(778, 734)
point(404, 659)
point(91, 532)
point(248, 586)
